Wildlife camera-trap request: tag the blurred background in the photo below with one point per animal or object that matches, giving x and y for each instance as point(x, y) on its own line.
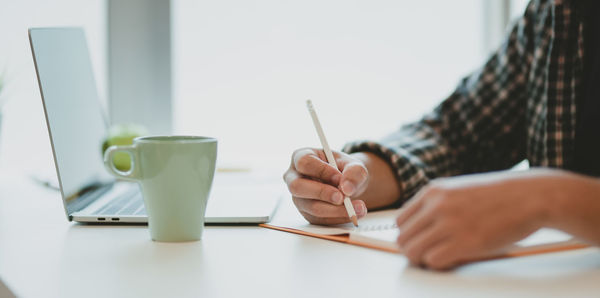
point(241, 70)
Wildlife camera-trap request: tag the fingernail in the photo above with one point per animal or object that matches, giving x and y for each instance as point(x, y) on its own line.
point(337, 198)
point(348, 188)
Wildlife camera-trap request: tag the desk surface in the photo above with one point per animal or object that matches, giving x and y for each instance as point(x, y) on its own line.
point(43, 255)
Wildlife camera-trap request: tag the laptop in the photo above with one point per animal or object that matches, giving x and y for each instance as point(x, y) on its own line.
point(77, 128)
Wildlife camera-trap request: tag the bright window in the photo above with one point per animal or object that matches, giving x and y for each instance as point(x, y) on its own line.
point(243, 69)
point(517, 8)
point(23, 131)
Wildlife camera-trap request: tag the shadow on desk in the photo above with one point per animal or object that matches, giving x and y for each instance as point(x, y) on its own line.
point(125, 257)
point(561, 274)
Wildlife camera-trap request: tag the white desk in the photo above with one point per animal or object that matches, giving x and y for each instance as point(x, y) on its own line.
point(43, 255)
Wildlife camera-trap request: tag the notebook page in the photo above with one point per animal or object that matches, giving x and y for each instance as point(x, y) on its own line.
point(289, 217)
point(378, 229)
point(383, 236)
point(544, 236)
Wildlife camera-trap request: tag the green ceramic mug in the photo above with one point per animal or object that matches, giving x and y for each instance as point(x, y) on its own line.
point(175, 174)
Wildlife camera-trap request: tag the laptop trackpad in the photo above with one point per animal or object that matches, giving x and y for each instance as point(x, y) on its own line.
point(243, 198)
point(248, 204)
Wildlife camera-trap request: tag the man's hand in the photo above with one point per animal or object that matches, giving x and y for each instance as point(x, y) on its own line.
point(318, 189)
point(455, 219)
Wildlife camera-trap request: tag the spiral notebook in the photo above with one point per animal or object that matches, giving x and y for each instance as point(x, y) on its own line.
point(377, 230)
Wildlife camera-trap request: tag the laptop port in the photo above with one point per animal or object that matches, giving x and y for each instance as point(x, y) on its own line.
point(101, 218)
point(115, 219)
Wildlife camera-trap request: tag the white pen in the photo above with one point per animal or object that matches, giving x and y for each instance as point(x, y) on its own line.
point(330, 158)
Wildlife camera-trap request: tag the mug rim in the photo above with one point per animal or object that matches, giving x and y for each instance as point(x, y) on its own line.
point(174, 138)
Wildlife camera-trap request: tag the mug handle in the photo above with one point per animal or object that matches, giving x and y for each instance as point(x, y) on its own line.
point(133, 173)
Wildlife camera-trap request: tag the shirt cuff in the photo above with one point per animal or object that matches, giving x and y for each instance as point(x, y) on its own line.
point(407, 167)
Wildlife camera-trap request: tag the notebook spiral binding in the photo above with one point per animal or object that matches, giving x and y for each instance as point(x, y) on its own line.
point(378, 227)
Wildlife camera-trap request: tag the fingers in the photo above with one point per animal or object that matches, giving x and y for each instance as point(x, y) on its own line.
point(443, 256)
point(354, 178)
point(315, 185)
point(310, 189)
point(409, 210)
point(318, 212)
point(415, 247)
point(308, 163)
point(424, 241)
point(426, 237)
point(413, 226)
point(416, 203)
point(312, 163)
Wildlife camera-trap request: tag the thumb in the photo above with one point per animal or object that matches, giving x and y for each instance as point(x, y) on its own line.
point(354, 178)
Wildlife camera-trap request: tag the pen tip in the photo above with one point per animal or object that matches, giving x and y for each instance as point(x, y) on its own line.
point(309, 103)
point(354, 220)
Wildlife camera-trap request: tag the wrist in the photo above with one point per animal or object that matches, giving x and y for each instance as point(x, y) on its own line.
point(564, 196)
point(552, 197)
point(383, 189)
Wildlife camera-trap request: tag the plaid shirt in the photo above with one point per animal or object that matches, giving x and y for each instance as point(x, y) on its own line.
point(519, 105)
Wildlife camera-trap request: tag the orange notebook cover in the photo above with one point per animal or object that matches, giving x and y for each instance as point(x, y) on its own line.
point(378, 231)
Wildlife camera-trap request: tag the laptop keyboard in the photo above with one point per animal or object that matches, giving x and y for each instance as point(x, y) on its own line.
point(129, 203)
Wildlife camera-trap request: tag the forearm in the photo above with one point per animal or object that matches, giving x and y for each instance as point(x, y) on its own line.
point(382, 188)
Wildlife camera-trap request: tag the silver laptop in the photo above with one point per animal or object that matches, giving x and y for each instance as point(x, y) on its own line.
point(77, 127)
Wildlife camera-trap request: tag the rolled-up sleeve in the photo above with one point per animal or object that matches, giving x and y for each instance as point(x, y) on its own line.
point(480, 127)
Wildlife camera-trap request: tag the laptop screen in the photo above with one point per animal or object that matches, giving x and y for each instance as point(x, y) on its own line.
point(74, 116)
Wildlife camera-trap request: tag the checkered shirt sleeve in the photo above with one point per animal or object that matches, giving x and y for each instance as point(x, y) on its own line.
point(479, 127)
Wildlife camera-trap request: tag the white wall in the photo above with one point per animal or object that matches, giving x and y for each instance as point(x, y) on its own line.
point(23, 127)
point(243, 69)
point(517, 8)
